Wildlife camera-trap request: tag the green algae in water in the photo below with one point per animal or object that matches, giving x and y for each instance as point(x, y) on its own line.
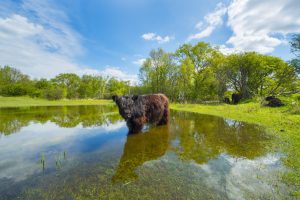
point(90, 156)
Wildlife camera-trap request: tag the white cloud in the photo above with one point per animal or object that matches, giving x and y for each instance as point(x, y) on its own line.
point(36, 39)
point(158, 38)
point(139, 62)
point(32, 48)
point(262, 25)
point(246, 171)
point(39, 42)
point(111, 72)
point(213, 20)
point(199, 25)
point(226, 50)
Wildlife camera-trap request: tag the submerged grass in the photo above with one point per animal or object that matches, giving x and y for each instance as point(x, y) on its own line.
point(27, 101)
point(284, 122)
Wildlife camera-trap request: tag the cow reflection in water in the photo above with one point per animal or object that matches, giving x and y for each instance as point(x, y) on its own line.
point(140, 148)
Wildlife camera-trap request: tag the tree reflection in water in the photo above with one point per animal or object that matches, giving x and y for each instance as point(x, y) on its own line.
point(13, 119)
point(204, 137)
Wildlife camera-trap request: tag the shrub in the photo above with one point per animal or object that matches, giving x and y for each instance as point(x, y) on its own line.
point(54, 94)
point(13, 90)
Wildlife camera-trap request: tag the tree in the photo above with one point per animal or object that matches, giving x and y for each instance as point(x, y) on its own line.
point(157, 71)
point(295, 48)
point(185, 80)
point(200, 56)
point(218, 66)
point(253, 74)
point(70, 82)
point(13, 82)
point(92, 86)
point(116, 87)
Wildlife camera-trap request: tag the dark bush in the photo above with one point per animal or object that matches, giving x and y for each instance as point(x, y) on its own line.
point(227, 100)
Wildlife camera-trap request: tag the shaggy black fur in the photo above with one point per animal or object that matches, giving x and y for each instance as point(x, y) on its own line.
point(236, 98)
point(140, 109)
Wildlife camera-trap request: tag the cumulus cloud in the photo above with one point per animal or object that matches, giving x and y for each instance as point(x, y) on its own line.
point(227, 50)
point(262, 25)
point(31, 48)
point(111, 72)
point(212, 20)
point(36, 38)
point(139, 62)
point(158, 38)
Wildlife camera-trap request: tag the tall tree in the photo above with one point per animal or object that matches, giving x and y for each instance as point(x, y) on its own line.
point(156, 71)
point(200, 56)
point(253, 74)
point(70, 82)
point(13, 82)
point(295, 48)
point(92, 86)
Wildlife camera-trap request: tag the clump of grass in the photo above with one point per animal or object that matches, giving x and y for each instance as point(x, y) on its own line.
point(59, 159)
point(43, 161)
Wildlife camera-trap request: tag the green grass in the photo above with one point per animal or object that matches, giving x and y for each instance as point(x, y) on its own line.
point(27, 101)
point(281, 122)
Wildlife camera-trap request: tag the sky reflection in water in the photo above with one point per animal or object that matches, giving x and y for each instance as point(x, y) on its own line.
point(88, 154)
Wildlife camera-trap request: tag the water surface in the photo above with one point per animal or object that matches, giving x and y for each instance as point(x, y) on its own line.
point(84, 152)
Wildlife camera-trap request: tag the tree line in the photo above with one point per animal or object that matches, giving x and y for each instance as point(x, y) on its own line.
point(65, 85)
point(193, 73)
point(200, 72)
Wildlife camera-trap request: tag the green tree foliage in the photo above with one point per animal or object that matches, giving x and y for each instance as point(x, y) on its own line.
point(92, 86)
point(202, 73)
point(200, 57)
point(156, 72)
point(67, 85)
point(70, 82)
point(295, 48)
point(116, 87)
point(13, 82)
point(252, 74)
point(54, 94)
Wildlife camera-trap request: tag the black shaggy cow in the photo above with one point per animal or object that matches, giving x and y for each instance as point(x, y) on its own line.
point(273, 101)
point(236, 98)
point(140, 109)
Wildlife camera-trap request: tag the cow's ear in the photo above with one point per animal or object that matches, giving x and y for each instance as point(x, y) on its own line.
point(135, 97)
point(115, 98)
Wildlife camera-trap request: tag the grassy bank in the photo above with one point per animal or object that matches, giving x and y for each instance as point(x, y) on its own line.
point(27, 101)
point(280, 122)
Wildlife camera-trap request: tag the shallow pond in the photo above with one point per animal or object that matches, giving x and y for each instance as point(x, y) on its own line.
point(84, 152)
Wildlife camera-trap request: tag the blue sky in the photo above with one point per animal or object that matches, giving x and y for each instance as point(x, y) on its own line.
point(44, 38)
